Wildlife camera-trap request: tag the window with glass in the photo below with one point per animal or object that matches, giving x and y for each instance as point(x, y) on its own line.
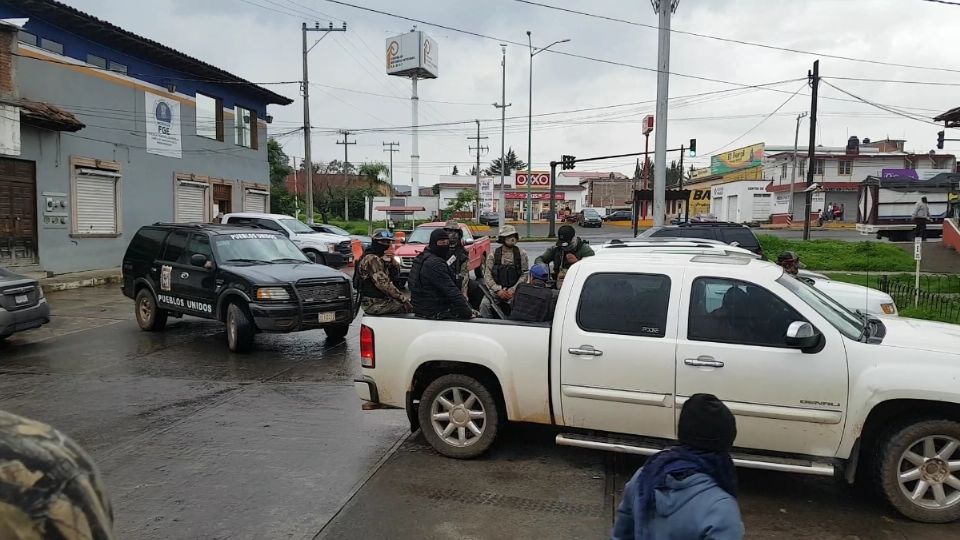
point(26, 37)
point(256, 248)
point(209, 117)
point(733, 311)
point(627, 304)
point(117, 66)
point(199, 244)
point(51, 45)
point(244, 129)
point(844, 167)
point(783, 171)
point(176, 245)
point(97, 61)
point(803, 168)
point(818, 167)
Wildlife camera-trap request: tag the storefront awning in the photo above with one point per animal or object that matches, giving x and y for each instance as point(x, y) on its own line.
point(46, 116)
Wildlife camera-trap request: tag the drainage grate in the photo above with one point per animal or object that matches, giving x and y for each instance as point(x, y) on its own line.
point(506, 501)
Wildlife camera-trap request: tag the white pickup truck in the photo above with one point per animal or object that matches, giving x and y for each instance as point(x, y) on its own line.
point(815, 388)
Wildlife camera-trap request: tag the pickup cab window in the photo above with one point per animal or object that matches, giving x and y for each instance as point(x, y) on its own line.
point(733, 311)
point(628, 304)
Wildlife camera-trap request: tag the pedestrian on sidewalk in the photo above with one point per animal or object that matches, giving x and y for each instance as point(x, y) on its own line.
point(921, 214)
point(689, 490)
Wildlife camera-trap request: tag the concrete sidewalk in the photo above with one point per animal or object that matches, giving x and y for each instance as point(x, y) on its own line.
point(75, 280)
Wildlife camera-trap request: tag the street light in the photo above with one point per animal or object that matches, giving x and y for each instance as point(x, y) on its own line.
point(533, 52)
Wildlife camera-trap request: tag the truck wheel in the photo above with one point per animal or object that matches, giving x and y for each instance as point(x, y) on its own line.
point(150, 317)
point(321, 258)
point(459, 416)
point(240, 329)
point(337, 332)
point(918, 470)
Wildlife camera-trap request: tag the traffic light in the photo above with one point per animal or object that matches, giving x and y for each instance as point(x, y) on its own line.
point(940, 140)
point(567, 162)
point(693, 148)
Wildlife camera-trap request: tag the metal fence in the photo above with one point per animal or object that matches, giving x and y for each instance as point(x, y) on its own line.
point(939, 295)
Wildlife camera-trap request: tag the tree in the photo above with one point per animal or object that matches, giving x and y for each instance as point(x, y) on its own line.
point(373, 172)
point(473, 170)
point(335, 166)
point(465, 199)
point(455, 171)
point(513, 163)
point(279, 163)
point(673, 175)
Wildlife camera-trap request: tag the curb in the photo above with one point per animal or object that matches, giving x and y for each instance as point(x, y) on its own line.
point(64, 283)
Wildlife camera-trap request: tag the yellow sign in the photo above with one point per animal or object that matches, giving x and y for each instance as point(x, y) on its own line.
point(699, 202)
point(734, 160)
point(696, 174)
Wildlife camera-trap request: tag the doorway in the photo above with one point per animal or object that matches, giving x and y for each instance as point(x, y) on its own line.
point(18, 212)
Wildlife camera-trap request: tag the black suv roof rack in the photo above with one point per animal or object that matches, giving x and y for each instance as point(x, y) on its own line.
point(212, 226)
point(708, 224)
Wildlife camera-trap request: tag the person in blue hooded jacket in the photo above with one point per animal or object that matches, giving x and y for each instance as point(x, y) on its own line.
point(689, 490)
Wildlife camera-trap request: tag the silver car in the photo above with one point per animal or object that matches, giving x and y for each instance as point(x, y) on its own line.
point(22, 304)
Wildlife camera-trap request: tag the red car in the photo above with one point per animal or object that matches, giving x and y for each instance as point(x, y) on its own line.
point(477, 247)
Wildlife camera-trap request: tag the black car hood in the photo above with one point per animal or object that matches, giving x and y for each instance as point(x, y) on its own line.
point(265, 274)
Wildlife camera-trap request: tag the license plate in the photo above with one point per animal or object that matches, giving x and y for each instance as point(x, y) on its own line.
point(327, 316)
point(21, 299)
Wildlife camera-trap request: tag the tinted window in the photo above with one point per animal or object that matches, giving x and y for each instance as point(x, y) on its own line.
point(176, 243)
point(740, 235)
point(199, 243)
point(631, 304)
point(733, 311)
point(146, 244)
point(696, 232)
point(667, 233)
point(273, 226)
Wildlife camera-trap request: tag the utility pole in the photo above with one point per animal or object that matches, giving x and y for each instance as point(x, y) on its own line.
point(814, 79)
point(793, 175)
point(478, 148)
point(501, 199)
point(665, 8)
point(305, 88)
point(346, 183)
point(394, 147)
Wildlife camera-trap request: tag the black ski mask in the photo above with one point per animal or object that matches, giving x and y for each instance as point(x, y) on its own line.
point(379, 248)
point(435, 247)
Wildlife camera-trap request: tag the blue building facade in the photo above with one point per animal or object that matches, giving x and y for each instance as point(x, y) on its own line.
point(103, 131)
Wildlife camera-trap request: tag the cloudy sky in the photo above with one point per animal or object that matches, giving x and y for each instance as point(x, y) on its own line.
point(260, 40)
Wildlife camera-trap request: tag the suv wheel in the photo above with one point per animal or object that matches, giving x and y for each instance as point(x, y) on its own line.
point(321, 259)
point(337, 332)
point(918, 470)
point(459, 416)
point(240, 330)
point(150, 317)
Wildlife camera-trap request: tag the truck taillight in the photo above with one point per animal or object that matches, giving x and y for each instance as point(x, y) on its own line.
point(368, 355)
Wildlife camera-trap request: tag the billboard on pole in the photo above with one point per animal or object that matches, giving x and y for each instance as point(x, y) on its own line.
point(413, 54)
point(486, 194)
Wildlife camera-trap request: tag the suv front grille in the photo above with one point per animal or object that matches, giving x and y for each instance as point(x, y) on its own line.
point(8, 297)
point(313, 292)
point(345, 247)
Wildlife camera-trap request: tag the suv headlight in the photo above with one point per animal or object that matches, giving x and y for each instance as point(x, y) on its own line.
point(331, 248)
point(272, 293)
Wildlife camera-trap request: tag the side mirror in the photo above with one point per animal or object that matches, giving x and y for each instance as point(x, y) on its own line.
point(198, 259)
point(467, 241)
point(312, 256)
point(735, 244)
point(802, 335)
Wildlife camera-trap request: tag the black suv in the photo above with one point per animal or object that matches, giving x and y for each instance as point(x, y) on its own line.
point(254, 280)
point(729, 233)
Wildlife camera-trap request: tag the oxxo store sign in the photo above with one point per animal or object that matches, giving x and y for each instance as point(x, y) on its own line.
point(538, 180)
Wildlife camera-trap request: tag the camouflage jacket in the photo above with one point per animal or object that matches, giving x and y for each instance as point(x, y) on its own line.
point(49, 487)
point(374, 269)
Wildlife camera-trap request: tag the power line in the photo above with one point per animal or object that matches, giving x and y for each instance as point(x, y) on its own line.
point(945, 2)
point(743, 42)
point(896, 81)
point(765, 118)
point(880, 106)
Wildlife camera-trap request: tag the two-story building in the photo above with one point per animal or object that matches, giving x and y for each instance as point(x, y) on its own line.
point(102, 131)
point(838, 172)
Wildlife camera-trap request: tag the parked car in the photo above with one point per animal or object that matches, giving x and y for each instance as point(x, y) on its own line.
point(416, 241)
point(816, 389)
point(489, 218)
point(253, 280)
point(589, 218)
point(333, 229)
point(619, 215)
point(22, 304)
point(332, 250)
point(735, 234)
point(853, 297)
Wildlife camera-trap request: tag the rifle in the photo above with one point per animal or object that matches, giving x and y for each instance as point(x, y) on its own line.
point(492, 298)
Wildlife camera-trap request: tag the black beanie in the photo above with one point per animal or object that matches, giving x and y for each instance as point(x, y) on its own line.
point(706, 423)
point(566, 233)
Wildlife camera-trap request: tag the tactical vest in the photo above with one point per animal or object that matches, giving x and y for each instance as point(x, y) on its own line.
point(365, 282)
point(506, 276)
point(531, 303)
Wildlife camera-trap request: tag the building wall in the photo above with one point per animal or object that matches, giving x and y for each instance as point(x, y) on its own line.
point(112, 107)
point(734, 201)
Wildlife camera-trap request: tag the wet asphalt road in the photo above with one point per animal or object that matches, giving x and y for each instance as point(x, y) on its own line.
point(196, 442)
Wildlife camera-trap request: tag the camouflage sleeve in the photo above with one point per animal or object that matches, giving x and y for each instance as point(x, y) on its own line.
point(524, 270)
point(488, 273)
point(381, 279)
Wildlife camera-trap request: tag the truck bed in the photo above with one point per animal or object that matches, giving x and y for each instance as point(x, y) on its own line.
point(517, 353)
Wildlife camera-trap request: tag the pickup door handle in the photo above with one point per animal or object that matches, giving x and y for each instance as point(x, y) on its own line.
point(585, 350)
point(703, 361)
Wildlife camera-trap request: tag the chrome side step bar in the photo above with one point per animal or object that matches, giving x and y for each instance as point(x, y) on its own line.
point(766, 463)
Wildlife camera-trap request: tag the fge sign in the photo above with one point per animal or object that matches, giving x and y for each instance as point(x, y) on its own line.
point(538, 179)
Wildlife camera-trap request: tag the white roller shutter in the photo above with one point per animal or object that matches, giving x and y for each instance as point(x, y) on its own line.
point(191, 202)
point(255, 200)
point(762, 206)
point(732, 202)
point(96, 201)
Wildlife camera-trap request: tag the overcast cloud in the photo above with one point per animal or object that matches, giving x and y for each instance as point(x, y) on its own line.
point(260, 40)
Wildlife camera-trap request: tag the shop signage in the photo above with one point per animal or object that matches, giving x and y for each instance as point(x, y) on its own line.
point(163, 125)
point(540, 179)
point(535, 196)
